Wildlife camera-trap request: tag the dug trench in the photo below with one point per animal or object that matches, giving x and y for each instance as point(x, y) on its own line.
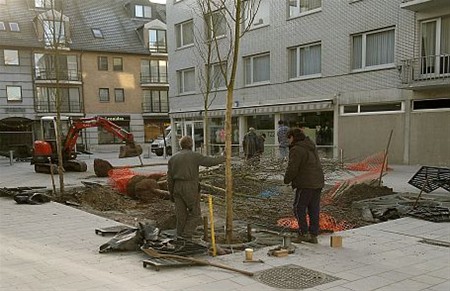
point(260, 200)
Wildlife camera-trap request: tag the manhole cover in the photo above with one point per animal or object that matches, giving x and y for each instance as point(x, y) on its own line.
point(293, 277)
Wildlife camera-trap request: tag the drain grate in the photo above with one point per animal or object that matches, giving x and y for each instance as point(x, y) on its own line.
point(293, 277)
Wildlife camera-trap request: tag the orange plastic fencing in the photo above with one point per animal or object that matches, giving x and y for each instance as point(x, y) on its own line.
point(371, 163)
point(326, 222)
point(119, 178)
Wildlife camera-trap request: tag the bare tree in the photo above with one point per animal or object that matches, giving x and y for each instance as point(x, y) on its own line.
point(231, 19)
point(51, 23)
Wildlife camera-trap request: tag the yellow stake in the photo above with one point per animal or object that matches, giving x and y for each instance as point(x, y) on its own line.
point(211, 219)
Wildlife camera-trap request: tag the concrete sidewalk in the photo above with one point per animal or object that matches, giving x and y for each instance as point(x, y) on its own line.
point(54, 247)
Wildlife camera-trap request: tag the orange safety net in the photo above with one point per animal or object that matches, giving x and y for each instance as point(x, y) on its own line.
point(371, 163)
point(119, 178)
point(326, 222)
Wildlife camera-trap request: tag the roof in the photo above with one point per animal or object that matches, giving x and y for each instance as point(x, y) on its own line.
point(113, 17)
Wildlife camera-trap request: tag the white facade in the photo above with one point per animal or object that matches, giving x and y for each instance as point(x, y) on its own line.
point(349, 65)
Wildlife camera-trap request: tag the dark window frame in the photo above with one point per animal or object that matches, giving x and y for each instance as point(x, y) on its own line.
point(116, 99)
point(117, 67)
point(100, 90)
point(101, 64)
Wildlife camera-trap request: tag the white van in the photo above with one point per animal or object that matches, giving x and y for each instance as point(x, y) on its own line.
point(157, 147)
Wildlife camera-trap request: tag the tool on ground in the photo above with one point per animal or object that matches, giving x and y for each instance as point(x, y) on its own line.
point(151, 252)
point(211, 221)
point(253, 261)
point(47, 146)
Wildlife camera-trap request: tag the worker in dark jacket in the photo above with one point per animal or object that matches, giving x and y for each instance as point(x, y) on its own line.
point(183, 183)
point(305, 174)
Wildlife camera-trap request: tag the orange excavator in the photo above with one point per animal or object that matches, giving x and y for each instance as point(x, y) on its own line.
point(45, 157)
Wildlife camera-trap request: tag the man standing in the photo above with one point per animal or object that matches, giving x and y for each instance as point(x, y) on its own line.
point(305, 174)
point(183, 183)
point(283, 141)
point(250, 144)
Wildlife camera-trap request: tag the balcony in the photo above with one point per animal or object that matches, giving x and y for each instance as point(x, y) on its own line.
point(421, 5)
point(154, 80)
point(66, 107)
point(63, 75)
point(428, 72)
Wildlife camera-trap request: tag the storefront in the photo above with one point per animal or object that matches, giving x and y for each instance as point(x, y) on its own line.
point(106, 137)
point(154, 127)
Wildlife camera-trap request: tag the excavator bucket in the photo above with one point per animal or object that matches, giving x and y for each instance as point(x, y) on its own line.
point(130, 150)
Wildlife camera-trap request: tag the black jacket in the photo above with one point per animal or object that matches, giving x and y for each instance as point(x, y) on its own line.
point(304, 169)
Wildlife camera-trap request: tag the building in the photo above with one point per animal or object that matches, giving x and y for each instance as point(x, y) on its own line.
point(106, 58)
point(349, 72)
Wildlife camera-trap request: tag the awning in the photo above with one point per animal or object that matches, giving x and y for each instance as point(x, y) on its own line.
point(263, 109)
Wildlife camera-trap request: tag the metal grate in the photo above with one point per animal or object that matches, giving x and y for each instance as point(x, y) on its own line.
point(293, 277)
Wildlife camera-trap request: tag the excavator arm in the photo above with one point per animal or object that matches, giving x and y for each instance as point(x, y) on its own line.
point(131, 149)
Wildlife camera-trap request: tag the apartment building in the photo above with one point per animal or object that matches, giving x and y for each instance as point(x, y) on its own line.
point(349, 72)
point(106, 58)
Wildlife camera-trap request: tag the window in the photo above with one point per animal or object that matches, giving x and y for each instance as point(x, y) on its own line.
point(216, 75)
point(305, 61)
point(156, 101)
point(157, 41)
point(154, 71)
point(103, 94)
point(46, 68)
point(97, 33)
point(435, 46)
point(185, 33)
point(141, 11)
point(117, 64)
point(102, 63)
point(262, 16)
point(372, 108)
point(373, 50)
point(257, 69)
point(2, 26)
point(11, 57)
point(302, 7)
point(430, 104)
point(71, 100)
point(186, 81)
point(43, 3)
point(54, 32)
point(14, 93)
point(215, 25)
point(14, 26)
point(119, 95)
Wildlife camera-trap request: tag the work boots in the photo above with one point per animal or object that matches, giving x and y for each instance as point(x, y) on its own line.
point(310, 238)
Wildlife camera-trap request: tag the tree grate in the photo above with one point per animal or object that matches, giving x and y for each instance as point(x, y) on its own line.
point(293, 277)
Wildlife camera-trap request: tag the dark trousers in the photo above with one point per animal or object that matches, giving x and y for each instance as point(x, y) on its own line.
point(307, 201)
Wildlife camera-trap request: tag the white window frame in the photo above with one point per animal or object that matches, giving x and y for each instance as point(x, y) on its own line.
point(217, 76)
point(14, 27)
point(182, 80)
point(97, 32)
point(2, 26)
point(358, 111)
point(142, 11)
point(364, 52)
point(14, 93)
point(180, 35)
point(297, 11)
point(54, 30)
point(15, 61)
point(213, 28)
point(262, 16)
point(298, 61)
point(251, 59)
point(43, 3)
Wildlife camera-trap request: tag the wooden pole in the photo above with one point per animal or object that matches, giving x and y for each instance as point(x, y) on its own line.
point(385, 157)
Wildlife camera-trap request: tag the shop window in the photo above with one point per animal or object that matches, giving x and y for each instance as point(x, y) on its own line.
point(105, 137)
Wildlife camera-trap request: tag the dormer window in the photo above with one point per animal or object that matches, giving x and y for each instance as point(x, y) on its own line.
point(97, 33)
point(43, 3)
point(141, 11)
point(54, 32)
point(157, 41)
point(14, 26)
point(52, 27)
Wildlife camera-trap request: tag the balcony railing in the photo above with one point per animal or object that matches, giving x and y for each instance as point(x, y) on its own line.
point(63, 75)
point(426, 70)
point(66, 107)
point(419, 5)
point(151, 79)
point(149, 107)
